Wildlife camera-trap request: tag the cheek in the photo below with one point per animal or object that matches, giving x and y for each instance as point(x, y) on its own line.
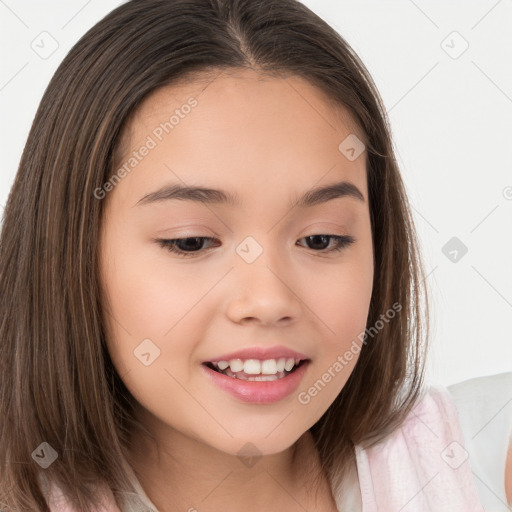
point(340, 296)
point(343, 314)
point(342, 304)
point(148, 294)
point(151, 298)
point(146, 318)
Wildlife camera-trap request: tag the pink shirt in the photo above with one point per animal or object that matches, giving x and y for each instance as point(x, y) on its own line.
point(422, 466)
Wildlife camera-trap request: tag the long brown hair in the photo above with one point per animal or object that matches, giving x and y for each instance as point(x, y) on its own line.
point(57, 382)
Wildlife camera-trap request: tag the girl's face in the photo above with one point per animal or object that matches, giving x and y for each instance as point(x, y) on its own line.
point(262, 278)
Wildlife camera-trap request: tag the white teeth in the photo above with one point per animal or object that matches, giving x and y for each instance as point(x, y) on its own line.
point(257, 367)
point(290, 363)
point(251, 367)
point(263, 378)
point(236, 365)
point(269, 367)
point(280, 364)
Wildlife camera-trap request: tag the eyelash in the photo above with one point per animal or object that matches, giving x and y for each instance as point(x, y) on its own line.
point(341, 243)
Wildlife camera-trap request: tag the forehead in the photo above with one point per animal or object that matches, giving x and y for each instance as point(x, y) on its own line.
point(288, 96)
point(244, 126)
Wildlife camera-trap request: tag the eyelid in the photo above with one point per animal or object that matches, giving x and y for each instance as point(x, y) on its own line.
point(187, 231)
point(326, 225)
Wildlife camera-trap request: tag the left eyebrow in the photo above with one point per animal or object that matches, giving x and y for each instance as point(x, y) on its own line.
point(326, 193)
point(310, 198)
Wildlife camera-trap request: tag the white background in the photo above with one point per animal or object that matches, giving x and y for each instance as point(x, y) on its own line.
point(452, 127)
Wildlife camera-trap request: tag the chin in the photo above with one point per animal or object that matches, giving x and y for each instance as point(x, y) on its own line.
point(247, 446)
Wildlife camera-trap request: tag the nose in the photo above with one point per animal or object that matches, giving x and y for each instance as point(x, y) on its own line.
point(264, 293)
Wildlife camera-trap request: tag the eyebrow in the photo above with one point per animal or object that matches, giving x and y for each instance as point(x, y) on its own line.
point(310, 198)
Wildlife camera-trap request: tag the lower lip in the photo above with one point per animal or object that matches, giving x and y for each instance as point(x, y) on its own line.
point(258, 392)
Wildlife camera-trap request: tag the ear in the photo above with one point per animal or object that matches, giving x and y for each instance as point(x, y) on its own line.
point(508, 474)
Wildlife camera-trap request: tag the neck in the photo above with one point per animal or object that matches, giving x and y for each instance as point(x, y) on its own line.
point(181, 473)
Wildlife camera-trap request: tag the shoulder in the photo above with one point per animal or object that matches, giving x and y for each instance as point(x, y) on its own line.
point(58, 501)
point(131, 502)
point(432, 419)
point(423, 463)
point(488, 391)
point(484, 406)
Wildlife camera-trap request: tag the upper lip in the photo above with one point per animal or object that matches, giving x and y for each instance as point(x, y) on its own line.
point(260, 353)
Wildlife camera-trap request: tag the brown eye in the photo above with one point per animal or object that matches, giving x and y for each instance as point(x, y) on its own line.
point(320, 243)
point(185, 246)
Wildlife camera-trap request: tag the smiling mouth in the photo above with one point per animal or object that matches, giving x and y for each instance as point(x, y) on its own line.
point(241, 375)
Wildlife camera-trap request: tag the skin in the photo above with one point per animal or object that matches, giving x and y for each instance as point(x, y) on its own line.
point(269, 140)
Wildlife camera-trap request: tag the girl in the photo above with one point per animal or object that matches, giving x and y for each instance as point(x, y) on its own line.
point(212, 291)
